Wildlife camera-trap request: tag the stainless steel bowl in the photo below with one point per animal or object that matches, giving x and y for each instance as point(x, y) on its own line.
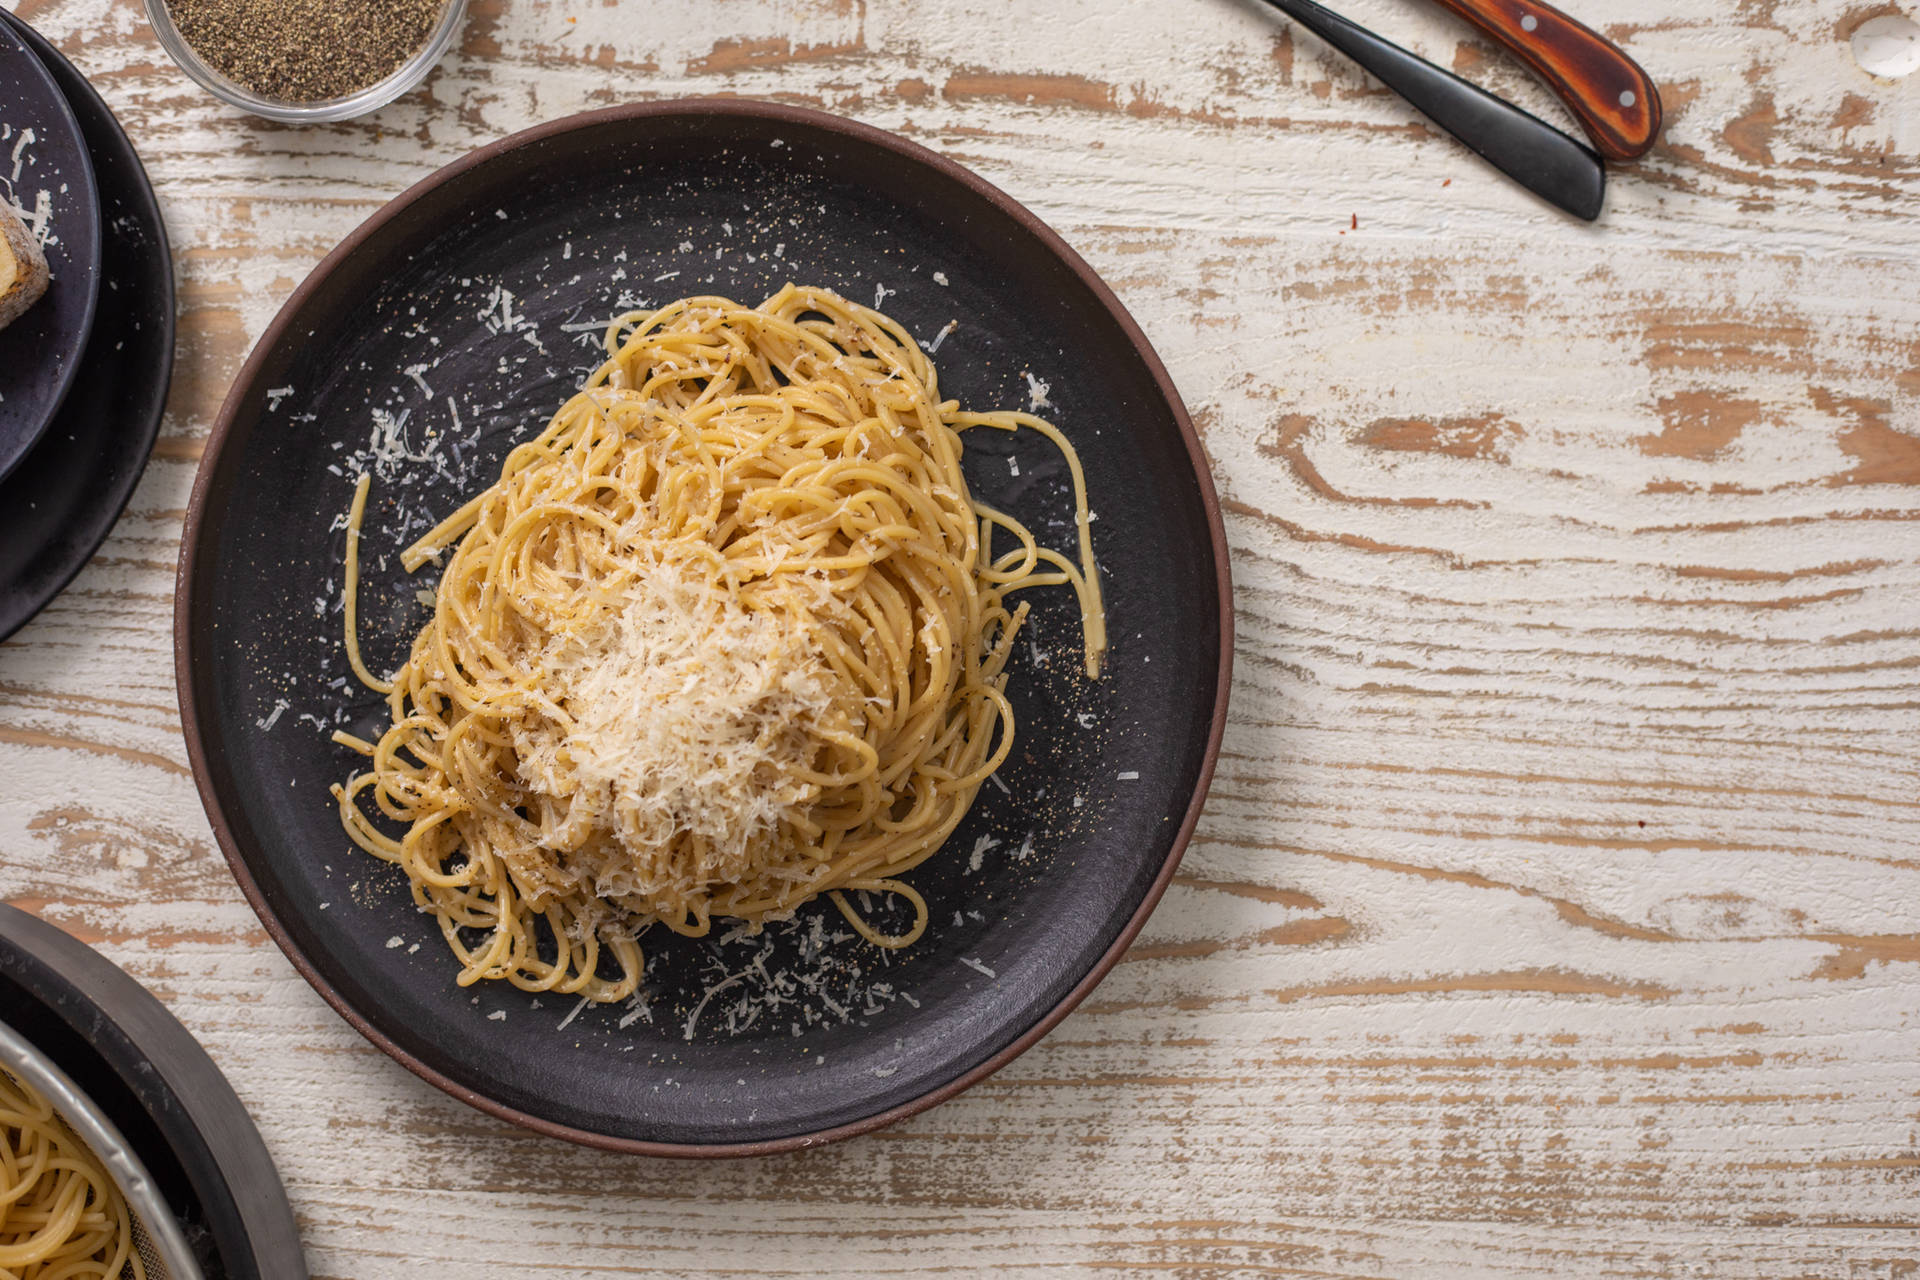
point(372, 98)
point(156, 1233)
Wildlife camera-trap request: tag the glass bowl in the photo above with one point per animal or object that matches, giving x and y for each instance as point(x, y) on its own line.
point(374, 96)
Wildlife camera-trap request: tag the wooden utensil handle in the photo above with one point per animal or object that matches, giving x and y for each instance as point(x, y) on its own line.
point(1615, 100)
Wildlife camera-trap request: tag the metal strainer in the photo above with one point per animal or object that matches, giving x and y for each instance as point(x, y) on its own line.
point(156, 1234)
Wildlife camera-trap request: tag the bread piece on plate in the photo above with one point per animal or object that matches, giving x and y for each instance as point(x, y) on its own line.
point(23, 267)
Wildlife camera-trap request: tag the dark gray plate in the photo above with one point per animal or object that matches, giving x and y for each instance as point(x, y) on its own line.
point(464, 289)
point(44, 169)
point(156, 1084)
point(59, 504)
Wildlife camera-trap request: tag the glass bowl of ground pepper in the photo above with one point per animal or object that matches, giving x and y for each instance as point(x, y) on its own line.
point(305, 61)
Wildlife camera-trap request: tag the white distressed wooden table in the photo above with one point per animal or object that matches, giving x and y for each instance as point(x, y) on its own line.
point(1557, 908)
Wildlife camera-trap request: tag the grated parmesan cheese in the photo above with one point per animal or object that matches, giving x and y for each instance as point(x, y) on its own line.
point(1037, 393)
point(686, 714)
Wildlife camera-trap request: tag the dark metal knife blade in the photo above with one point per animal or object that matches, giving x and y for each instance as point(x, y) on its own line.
point(1547, 162)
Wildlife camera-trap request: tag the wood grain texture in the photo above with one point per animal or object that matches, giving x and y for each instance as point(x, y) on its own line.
point(1557, 908)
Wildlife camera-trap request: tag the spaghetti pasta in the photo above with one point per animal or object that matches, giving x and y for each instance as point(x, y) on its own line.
point(61, 1216)
point(729, 634)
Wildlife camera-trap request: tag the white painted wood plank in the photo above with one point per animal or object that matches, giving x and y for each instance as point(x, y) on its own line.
point(1555, 910)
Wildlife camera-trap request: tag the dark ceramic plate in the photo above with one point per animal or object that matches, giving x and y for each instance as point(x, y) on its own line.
point(44, 169)
point(462, 315)
point(59, 503)
point(160, 1089)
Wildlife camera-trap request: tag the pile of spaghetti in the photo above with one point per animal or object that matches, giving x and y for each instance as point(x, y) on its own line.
point(729, 634)
point(61, 1216)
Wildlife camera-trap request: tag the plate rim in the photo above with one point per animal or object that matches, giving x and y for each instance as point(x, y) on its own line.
point(188, 678)
point(146, 428)
point(91, 312)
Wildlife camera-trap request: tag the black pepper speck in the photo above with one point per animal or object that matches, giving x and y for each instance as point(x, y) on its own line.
point(305, 50)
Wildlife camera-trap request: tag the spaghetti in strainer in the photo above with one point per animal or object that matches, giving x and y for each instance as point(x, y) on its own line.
point(55, 1214)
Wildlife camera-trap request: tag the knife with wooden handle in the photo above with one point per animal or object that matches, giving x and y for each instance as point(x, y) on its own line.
point(1615, 101)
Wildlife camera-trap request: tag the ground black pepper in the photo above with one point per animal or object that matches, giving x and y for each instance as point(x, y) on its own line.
point(305, 50)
